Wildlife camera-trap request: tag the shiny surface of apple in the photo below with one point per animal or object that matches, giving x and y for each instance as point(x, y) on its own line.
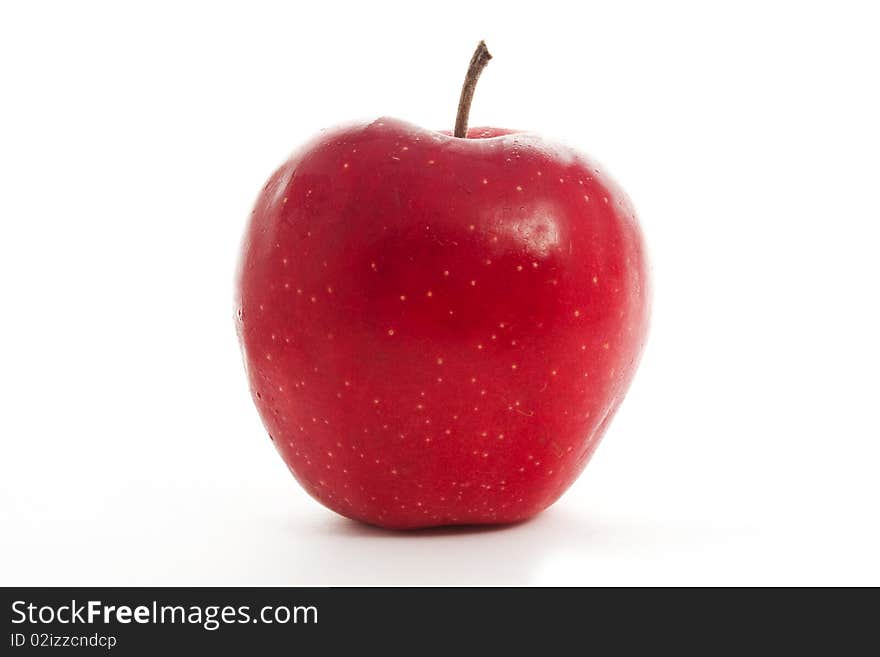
point(437, 330)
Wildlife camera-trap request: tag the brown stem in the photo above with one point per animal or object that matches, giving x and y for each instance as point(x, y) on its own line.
point(478, 63)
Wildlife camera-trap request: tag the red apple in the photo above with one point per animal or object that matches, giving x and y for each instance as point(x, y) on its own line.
point(437, 330)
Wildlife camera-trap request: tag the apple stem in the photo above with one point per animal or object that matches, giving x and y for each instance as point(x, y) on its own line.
point(478, 63)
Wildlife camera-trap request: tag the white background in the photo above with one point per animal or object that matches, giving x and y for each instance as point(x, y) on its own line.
point(133, 141)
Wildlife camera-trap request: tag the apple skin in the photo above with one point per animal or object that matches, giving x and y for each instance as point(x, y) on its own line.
point(438, 330)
